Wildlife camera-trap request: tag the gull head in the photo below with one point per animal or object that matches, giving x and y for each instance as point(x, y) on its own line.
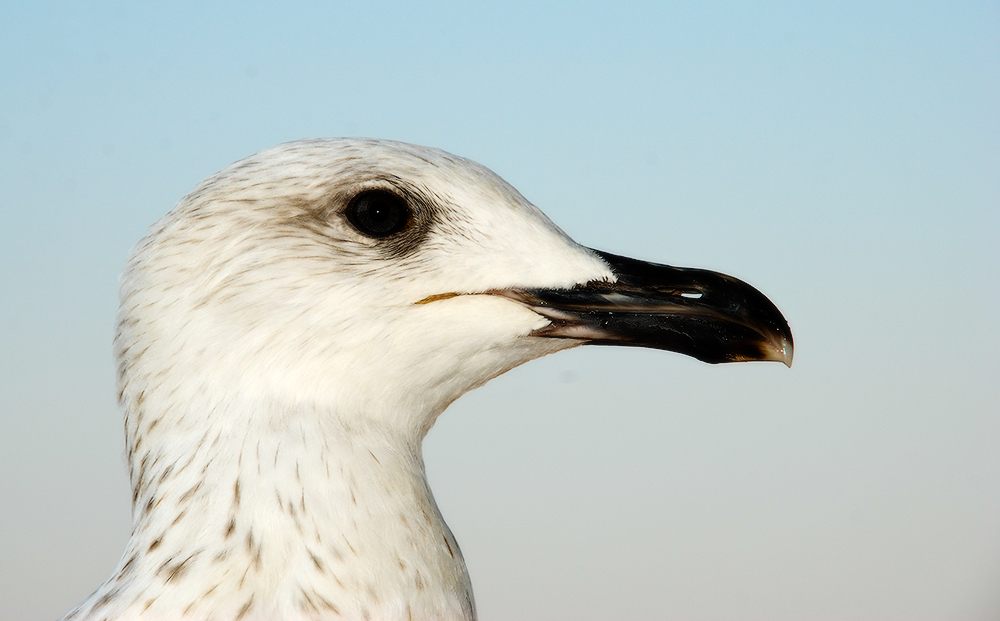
point(291, 330)
point(383, 280)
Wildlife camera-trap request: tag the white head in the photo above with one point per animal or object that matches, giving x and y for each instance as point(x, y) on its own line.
point(257, 285)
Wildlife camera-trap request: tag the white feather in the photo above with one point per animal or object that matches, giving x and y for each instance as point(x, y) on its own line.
point(278, 376)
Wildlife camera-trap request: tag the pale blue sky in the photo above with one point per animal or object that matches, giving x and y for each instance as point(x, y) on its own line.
point(844, 159)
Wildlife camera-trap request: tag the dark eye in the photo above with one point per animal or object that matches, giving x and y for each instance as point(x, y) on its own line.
point(378, 213)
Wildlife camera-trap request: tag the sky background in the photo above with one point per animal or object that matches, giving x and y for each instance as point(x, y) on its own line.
point(843, 159)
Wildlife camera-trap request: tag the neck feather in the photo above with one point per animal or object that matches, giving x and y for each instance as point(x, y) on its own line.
point(297, 517)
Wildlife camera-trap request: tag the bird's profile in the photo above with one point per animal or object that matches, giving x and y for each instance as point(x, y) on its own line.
point(289, 333)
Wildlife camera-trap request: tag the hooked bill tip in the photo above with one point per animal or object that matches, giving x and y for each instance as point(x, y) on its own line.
point(784, 352)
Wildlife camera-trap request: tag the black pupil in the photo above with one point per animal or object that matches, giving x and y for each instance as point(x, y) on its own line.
point(378, 213)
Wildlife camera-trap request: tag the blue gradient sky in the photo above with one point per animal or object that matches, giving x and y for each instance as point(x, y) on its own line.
point(845, 160)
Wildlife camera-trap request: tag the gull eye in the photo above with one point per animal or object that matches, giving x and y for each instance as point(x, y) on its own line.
point(378, 213)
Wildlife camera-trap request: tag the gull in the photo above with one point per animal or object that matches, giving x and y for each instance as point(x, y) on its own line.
point(290, 331)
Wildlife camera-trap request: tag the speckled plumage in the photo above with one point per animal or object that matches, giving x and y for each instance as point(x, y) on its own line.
point(281, 358)
point(278, 377)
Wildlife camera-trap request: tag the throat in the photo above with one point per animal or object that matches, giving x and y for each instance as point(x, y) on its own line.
point(307, 522)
